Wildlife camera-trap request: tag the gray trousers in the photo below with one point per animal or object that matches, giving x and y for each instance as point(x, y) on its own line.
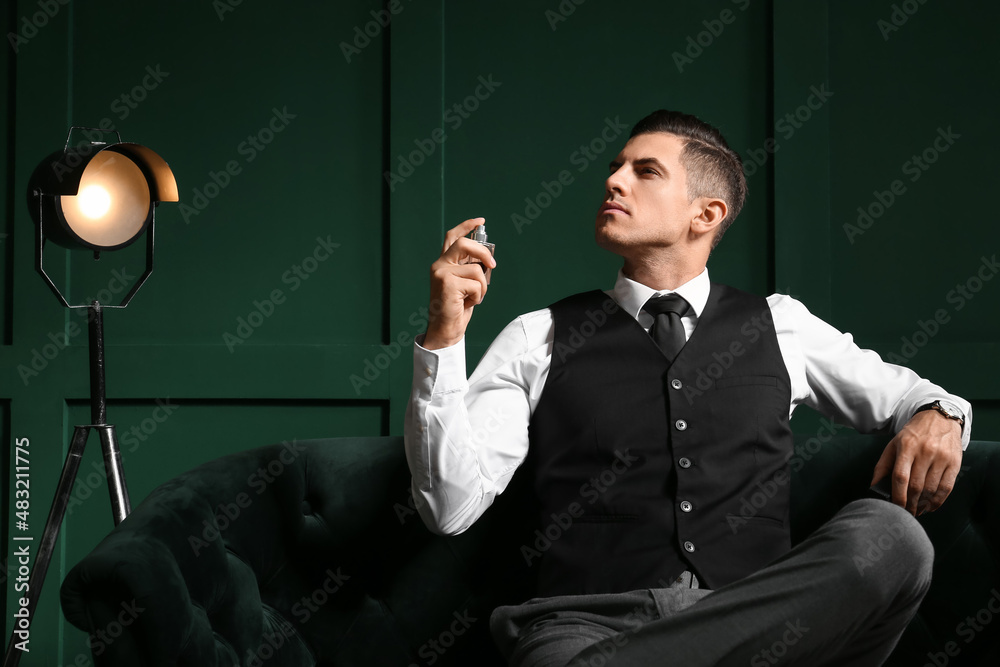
point(842, 598)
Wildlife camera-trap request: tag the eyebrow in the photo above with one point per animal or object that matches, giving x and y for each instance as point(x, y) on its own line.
point(614, 164)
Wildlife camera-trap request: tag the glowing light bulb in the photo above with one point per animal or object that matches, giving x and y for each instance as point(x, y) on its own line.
point(112, 205)
point(94, 201)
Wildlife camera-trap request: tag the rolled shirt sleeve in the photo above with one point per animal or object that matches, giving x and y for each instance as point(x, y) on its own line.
point(831, 374)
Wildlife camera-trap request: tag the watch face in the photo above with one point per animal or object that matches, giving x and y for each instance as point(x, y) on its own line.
point(953, 410)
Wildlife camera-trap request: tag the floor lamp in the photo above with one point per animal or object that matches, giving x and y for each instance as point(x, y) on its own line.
point(99, 197)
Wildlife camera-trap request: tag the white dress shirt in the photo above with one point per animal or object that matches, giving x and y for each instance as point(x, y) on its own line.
point(464, 438)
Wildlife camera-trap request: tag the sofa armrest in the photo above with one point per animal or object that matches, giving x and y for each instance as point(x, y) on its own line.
point(965, 532)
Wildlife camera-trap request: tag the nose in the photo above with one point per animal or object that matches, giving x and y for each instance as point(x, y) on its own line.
point(616, 183)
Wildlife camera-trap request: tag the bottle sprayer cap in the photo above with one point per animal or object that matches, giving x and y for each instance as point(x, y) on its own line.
point(480, 234)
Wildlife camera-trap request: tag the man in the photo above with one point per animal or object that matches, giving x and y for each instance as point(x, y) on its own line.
point(613, 404)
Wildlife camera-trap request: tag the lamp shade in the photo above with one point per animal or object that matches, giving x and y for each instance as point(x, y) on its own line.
point(100, 197)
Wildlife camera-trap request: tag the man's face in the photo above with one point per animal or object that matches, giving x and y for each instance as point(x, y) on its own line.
point(645, 196)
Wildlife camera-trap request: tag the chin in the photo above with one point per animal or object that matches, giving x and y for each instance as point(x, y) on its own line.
point(605, 236)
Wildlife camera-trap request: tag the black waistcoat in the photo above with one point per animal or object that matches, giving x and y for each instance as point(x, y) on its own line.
point(644, 469)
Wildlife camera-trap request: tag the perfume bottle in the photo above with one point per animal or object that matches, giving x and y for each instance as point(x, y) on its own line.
point(479, 236)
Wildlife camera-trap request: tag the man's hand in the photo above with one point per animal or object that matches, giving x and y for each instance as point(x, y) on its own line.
point(924, 459)
point(456, 288)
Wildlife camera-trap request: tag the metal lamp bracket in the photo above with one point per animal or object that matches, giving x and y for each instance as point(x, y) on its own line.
point(40, 260)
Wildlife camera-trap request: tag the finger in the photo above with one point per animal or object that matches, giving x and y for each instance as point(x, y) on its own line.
point(451, 283)
point(463, 249)
point(460, 230)
point(901, 481)
point(483, 280)
point(944, 488)
point(471, 282)
point(884, 465)
point(917, 483)
point(932, 483)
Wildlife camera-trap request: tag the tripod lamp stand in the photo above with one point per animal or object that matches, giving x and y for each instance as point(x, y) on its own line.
point(99, 197)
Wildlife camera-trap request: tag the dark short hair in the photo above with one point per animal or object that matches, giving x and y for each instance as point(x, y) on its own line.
point(713, 168)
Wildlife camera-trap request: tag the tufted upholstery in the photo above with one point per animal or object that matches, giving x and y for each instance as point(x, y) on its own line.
point(310, 553)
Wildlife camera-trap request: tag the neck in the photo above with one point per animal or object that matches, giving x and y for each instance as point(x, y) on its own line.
point(661, 275)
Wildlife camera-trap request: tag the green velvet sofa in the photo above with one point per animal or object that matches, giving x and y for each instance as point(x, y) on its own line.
point(311, 553)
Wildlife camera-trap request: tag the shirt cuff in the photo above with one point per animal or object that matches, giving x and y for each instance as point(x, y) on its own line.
point(439, 371)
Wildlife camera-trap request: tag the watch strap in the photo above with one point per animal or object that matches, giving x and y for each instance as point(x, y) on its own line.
point(936, 405)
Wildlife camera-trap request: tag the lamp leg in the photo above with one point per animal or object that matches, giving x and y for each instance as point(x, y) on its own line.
point(51, 532)
point(120, 505)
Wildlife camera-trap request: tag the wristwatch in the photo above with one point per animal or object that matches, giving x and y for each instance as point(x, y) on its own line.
point(948, 409)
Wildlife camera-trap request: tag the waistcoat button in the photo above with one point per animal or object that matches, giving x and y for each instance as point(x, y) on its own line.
point(684, 462)
point(676, 384)
point(689, 546)
point(681, 424)
point(686, 506)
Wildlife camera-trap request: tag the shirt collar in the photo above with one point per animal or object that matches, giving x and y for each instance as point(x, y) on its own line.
point(632, 296)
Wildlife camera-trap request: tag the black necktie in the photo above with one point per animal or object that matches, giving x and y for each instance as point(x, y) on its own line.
point(667, 330)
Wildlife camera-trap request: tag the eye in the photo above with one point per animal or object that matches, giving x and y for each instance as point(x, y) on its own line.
point(649, 170)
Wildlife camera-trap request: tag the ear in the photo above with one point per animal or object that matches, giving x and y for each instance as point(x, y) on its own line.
point(713, 212)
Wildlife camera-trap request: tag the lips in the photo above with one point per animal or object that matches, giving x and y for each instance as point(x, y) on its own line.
point(610, 206)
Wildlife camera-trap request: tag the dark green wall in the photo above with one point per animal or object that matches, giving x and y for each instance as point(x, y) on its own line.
point(327, 361)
